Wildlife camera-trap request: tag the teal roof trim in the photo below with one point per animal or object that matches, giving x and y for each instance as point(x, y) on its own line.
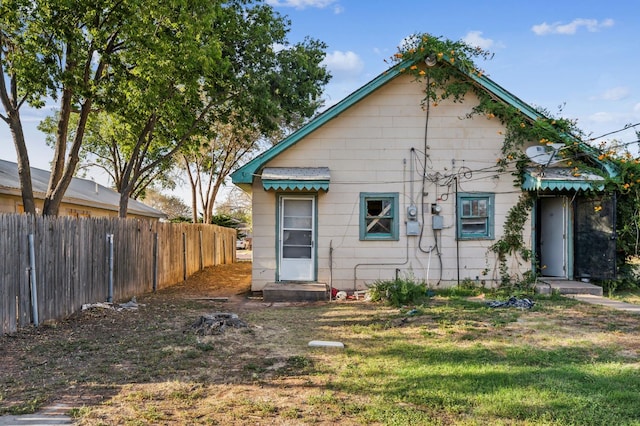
point(296, 185)
point(296, 178)
point(246, 173)
point(505, 96)
point(244, 176)
point(561, 179)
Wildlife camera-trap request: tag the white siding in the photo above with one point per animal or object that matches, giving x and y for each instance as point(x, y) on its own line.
point(368, 149)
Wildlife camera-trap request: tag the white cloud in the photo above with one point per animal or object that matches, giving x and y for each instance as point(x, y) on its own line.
point(344, 64)
point(303, 4)
point(592, 25)
point(602, 117)
point(615, 93)
point(618, 121)
point(474, 38)
point(278, 47)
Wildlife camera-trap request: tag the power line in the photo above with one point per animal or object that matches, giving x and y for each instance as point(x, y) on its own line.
point(626, 127)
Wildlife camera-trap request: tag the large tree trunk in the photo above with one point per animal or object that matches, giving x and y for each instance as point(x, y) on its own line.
point(194, 205)
point(212, 197)
point(56, 190)
point(124, 201)
point(126, 187)
point(61, 173)
point(60, 152)
point(11, 105)
point(24, 167)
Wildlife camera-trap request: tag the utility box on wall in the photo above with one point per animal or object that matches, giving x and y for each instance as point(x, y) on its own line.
point(413, 227)
point(437, 222)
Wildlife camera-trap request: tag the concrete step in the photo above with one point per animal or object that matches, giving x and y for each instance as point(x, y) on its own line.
point(295, 292)
point(549, 285)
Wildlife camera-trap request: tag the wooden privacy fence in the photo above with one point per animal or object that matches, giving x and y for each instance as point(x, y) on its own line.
point(51, 266)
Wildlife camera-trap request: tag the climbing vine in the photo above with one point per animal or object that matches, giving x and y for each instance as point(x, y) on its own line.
point(512, 243)
point(448, 71)
point(627, 184)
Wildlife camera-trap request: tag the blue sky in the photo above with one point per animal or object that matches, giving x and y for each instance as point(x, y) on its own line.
point(582, 55)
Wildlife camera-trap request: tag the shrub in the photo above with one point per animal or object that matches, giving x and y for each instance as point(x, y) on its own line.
point(398, 292)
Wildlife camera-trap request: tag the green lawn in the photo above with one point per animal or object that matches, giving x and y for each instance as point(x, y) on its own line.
point(465, 363)
point(452, 361)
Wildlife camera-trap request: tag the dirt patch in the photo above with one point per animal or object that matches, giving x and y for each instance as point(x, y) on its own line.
point(152, 366)
point(90, 354)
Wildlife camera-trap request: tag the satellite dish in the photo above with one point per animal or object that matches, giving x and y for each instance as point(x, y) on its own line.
point(539, 155)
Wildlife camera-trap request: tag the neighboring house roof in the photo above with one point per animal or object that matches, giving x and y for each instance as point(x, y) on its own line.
point(244, 176)
point(81, 192)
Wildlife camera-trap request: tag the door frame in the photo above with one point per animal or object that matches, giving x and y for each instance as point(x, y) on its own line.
point(314, 229)
point(565, 220)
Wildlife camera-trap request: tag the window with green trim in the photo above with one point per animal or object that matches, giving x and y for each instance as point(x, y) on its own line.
point(379, 216)
point(475, 216)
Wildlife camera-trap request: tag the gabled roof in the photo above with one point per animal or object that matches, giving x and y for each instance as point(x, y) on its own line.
point(244, 175)
point(81, 192)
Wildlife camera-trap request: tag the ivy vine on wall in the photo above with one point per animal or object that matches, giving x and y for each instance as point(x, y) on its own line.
point(448, 70)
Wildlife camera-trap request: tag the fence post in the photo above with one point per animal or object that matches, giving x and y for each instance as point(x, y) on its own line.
point(155, 262)
point(184, 256)
point(215, 248)
point(110, 278)
point(32, 280)
point(201, 252)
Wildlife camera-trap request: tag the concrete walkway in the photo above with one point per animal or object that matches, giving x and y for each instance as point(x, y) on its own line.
point(610, 303)
point(584, 292)
point(52, 415)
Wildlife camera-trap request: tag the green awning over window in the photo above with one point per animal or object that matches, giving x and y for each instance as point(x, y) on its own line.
point(560, 179)
point(296, 178)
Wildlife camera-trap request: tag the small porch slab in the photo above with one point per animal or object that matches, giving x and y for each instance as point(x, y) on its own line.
point(295, 292)
point(549, 285)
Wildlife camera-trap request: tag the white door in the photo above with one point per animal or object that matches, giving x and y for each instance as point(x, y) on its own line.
point(297, 239)
point(553, 243)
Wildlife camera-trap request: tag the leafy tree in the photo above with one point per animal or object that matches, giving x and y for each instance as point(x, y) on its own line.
point(225, 220)
point(70, 52)
point(236, 203)
point(172, 205)
point(210, 105)
point(208, 165)
point(278, 91)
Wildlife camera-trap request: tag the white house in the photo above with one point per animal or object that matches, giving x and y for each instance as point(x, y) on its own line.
point(379, 186)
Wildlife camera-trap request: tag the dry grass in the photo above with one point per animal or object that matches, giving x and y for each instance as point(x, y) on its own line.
point(149, 367)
